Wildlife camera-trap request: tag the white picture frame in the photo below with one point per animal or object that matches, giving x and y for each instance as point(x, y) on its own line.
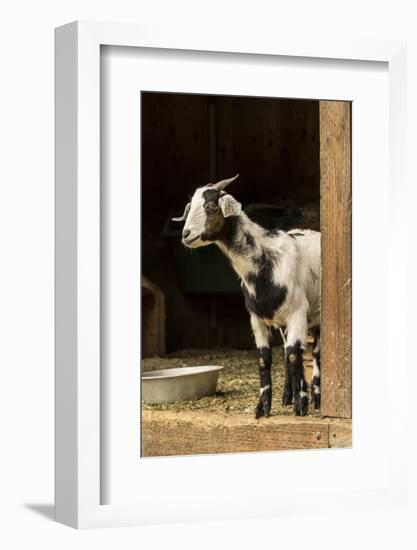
point(78, 403)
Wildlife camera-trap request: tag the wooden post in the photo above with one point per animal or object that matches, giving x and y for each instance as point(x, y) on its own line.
point(153, 319)
point(336, 240)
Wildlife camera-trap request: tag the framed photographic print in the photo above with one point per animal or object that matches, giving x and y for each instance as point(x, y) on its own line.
point(218, 274)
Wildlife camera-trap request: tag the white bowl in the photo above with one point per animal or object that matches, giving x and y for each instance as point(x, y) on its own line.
point(182, 384)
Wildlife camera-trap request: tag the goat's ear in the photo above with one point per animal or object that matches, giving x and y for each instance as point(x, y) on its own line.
point(184, 216)
point(229, 206)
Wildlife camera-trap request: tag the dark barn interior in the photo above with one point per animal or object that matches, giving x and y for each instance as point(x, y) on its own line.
point(188, 141)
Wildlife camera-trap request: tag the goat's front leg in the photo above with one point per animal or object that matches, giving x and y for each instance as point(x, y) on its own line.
point(287, 392)
point(297, 336)
point(262, 338)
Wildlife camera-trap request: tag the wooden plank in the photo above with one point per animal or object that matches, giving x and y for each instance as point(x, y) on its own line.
point(336, 227)
point(340, 433)
point(166, 433)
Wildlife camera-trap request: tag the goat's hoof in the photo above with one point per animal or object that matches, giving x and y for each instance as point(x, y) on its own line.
point(315, 399)
point(263, 407)
point(300, 405)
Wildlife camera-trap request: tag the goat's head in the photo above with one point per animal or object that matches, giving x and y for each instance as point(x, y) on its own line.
point(205, 215)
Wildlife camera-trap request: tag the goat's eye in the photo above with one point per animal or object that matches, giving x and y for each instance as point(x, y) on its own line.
point(211, 206)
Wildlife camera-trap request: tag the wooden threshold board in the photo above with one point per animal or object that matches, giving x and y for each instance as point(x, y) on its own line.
point(167, 433)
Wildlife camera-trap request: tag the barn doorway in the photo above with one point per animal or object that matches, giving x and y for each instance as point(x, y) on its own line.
point(190, 140)
point(286, 169)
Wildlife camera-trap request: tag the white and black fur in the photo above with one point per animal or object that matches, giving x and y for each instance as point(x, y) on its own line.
point(280, 279)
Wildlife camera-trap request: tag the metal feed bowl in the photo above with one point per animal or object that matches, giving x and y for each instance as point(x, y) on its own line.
point(180, 384)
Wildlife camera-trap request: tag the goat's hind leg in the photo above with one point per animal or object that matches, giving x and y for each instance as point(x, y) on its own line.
point(315, 381)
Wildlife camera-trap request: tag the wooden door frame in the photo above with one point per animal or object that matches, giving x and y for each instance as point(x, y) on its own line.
point(336, 260)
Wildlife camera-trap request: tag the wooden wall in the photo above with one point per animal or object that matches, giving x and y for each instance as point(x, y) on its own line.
point(174, 152)
point(273, 144)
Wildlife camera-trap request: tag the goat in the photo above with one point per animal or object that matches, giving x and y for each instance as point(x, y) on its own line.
point(280, 280)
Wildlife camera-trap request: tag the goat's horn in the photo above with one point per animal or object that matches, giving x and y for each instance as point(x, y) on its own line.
point(184, 216)
point(222, 184)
